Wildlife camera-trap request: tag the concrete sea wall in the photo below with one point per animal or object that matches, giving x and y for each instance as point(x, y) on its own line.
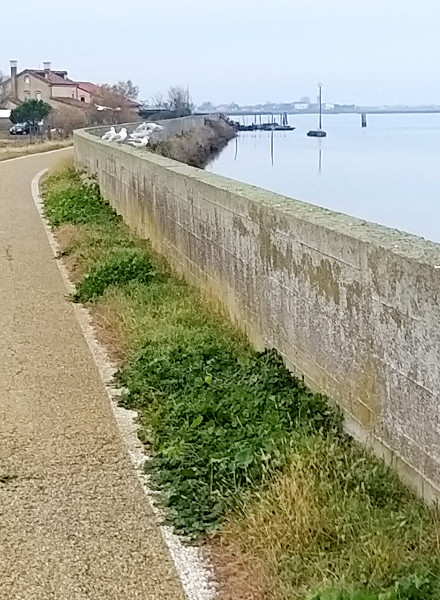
point(352, 306)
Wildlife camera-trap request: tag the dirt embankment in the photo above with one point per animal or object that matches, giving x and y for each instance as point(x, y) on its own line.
point(197, 147)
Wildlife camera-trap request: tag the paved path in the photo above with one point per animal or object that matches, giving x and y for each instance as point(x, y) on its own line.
point(74, 521)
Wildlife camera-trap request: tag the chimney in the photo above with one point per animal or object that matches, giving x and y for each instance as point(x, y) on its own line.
point(47, 67)
point(14, 89)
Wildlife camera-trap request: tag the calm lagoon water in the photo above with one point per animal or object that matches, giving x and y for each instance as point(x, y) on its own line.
point(388, 173)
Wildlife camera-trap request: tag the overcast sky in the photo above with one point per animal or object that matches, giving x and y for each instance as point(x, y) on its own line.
point(247, 51)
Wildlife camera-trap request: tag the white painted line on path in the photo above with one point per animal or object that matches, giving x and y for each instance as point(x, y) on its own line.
point(8, 160)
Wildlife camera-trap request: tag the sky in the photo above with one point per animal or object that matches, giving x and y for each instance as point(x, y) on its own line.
point(370, 52)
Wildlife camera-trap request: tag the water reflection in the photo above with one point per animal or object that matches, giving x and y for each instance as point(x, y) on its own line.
point(272, 146)
point(272, 142)
point(320, 156)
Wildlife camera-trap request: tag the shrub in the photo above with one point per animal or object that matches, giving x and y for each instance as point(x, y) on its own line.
point(130, 265)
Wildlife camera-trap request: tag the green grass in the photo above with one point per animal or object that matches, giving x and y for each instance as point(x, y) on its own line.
point(421, 585)
point(240, 446)
point(71, 198)
point(334, 518)
point(122, 267)
point(219, 421)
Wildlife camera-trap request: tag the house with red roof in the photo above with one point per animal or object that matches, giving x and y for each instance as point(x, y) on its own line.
point(51, 86)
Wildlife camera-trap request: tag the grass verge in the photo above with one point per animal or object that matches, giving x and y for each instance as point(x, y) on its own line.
point(16, 151)
point(241, 450)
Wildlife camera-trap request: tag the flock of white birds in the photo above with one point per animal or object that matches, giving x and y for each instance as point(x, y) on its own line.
point(139, 138)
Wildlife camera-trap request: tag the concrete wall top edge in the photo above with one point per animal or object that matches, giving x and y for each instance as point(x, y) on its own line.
point(397, 242)
point(171, 126)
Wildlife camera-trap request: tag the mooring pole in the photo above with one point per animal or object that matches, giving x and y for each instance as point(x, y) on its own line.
point(320, 107)
point(364, 119)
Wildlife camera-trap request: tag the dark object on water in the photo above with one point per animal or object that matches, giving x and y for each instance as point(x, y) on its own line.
point(264, 127)
point(317, 133)
point(270, 126)
point(364, 120)
point(275, 127)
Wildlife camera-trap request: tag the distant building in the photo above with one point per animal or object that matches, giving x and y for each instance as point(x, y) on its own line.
point(42, 84)
point(53, 87)
point(301, 106)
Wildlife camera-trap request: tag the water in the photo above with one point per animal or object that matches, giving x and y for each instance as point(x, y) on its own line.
point(388, 173)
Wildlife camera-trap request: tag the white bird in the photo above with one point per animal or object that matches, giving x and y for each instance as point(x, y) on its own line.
point(121, 136)
point(142, 142)
point(154, 127)
point(109, 135)
point(140, 127)
point(137, 135)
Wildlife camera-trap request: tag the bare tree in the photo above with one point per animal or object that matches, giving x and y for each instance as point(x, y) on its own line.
point(114, 103)
point(68, 118)
point(126, 89)
point(179, 100)
point(158, 101)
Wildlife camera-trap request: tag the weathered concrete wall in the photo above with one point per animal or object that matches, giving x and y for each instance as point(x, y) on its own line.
point(351, 305)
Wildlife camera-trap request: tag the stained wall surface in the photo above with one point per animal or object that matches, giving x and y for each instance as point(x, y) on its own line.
point(351, 305)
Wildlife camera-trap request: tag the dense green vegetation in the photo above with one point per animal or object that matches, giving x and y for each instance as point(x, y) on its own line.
point(239, 446)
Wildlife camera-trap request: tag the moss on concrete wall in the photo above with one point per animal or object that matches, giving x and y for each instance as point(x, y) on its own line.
point(351, 305)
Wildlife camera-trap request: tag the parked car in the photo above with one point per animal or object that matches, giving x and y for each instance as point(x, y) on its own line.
point(23, 129)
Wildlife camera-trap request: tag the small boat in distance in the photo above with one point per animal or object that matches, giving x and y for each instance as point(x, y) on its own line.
point(318, 132)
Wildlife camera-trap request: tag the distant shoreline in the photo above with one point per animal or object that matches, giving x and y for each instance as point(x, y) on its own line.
point(356, 111)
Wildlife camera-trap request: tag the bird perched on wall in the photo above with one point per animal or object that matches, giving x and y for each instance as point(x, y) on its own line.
point(109, 135)
point(140, 127)
point(140, 142)
point(137, 135)
point(121, 136)
point(139, 138)
point(147, 127)
point(154, 127)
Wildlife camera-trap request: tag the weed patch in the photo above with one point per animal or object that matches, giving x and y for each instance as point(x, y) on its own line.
point(70, 198)
point(219, 422)
point(121, 268)
point(333, 516)
point(419, 585)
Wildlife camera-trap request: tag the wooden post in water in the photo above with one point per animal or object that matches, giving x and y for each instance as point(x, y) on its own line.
point(320, 106)
point(364, 119)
